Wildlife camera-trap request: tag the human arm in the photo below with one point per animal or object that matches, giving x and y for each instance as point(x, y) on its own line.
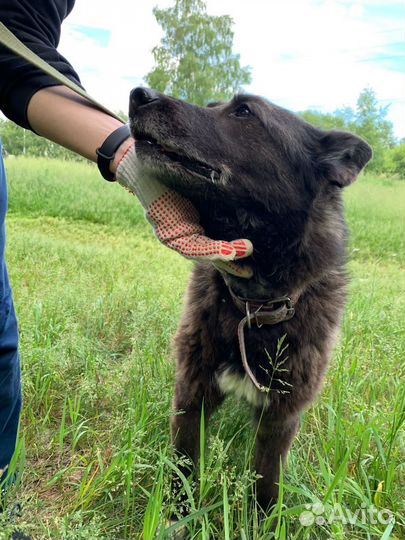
point(68, 119)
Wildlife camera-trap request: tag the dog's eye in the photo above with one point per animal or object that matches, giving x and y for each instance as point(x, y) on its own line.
point(242, 111)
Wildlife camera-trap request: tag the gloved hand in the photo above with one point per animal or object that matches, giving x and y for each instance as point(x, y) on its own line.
point(176, 221)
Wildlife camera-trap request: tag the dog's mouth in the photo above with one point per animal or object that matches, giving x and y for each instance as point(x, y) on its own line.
point(164, 152)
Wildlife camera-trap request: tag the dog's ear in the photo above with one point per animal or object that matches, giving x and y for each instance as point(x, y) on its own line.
point(343, 156)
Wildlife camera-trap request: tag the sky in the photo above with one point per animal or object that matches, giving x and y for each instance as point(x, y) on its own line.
point(303, 54)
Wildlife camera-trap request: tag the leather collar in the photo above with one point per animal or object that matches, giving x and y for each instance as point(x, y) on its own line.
point(260, 311)
point(265, 311)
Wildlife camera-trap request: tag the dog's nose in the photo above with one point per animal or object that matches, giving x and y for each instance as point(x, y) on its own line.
point(142, 96)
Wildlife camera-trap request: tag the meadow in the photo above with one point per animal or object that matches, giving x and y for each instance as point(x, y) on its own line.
point(98, 300)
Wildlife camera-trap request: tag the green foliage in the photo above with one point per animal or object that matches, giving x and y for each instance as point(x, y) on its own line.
point(369, 121)
point(325, 121)
point(98, 301)
point(194, 60)
point(395, 161)
point(372, 125)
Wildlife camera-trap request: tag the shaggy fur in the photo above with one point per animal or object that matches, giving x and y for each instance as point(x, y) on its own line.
point(257, 171)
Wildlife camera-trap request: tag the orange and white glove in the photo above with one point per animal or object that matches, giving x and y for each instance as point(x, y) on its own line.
point(176, 221)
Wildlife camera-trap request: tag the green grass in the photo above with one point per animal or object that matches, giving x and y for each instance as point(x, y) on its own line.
point(98, 300)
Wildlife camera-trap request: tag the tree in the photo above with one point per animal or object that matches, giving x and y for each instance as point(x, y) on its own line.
point(325, 121)
point(369, 121)
point(394, 161)
point(194, 60)
point(372, 125)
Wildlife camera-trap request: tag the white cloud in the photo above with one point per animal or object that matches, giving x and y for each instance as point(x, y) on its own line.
point(303, 53)
point(109, 73)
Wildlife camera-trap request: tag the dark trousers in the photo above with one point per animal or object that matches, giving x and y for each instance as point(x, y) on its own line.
point(10, 377)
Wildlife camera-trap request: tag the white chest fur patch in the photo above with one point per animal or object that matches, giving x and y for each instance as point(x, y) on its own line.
point(242, 387)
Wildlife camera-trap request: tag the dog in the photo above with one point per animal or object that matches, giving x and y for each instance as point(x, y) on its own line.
point(254, 170)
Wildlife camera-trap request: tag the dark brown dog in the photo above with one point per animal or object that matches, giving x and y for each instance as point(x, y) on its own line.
point(257, 171)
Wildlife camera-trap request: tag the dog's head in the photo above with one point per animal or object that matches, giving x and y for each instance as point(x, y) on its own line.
point(257, 171)
point(247, 148)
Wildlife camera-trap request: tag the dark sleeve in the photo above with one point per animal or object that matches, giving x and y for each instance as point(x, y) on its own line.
point(37, 23)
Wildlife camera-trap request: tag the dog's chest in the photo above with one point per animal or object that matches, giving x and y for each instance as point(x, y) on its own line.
point(231, 382)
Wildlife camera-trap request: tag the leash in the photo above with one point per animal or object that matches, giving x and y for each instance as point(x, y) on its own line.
point(9, 40)
point(268, 312)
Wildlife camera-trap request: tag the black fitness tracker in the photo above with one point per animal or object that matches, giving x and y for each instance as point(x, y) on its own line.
point(106, 152)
